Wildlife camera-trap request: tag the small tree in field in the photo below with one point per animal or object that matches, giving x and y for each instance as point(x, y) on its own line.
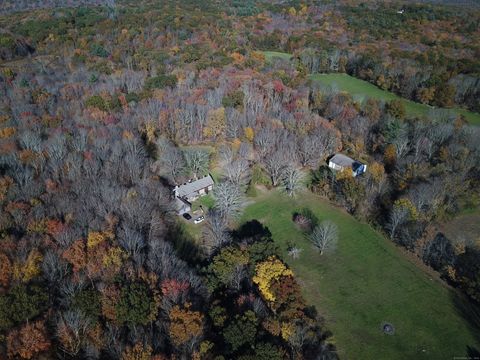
point(325, 236)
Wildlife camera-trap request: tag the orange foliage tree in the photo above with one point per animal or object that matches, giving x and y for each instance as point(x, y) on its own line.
point(28, 341)
point(5, 270)
point(137, 352)
point(76, 255)
point(184, 324)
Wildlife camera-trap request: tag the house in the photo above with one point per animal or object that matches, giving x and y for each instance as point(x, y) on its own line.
point(191, 191)
point(182, 206)
point(340, 162)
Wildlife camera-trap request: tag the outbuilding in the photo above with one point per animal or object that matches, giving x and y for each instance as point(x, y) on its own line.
point(340, 162)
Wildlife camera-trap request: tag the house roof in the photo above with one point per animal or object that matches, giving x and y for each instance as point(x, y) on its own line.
point(191, 187)
point(181, 203)
point(342, 160)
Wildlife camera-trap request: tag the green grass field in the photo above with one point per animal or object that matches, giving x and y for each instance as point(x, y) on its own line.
point(269, 55)
point(361, 89)
point(368, 281)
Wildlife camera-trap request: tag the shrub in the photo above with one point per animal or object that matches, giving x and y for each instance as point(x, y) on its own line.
point(132, 97)
point(396, 108)
point(96, 101)
point(88, 301)
point(98, 50)
point(233, 100)
point(260, 177)
point(161, 81)
point(251, 191)
point(136, 305)
point(21, 303)
point(7, 41)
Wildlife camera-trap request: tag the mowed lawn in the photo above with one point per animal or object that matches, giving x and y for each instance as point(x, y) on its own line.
point(365, 282)
point(361, 89)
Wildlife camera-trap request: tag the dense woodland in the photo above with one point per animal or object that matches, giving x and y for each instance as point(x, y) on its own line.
point(104, 108)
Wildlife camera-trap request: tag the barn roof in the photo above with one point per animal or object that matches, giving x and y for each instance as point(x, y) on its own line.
point(193, 186)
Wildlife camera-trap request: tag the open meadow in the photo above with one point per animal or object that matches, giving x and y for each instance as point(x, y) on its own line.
point(361, 89)
point(367, 281)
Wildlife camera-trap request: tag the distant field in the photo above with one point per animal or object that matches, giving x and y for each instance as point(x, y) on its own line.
point(361, 89)
point(464, 227)
point(368, 281)
point(269, 55)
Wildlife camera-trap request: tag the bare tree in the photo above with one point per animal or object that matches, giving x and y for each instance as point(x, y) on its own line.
point(75, 325)
point(54, 269)
point(225, 154)
point(325, 236)
point(313, 148)
point(275, 164)
point(292, 180)
point(398, 216)
point(196, 161)
point(172, 162)
point(264, 141)
point(133, 243)
point(215, 233)
point(295, 252)
point(236, 172)
point(229, 199)
point(428, 197)
point(238, 275)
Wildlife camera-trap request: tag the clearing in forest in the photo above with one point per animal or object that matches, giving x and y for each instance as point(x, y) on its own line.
point(368, 281)
point(361, 89)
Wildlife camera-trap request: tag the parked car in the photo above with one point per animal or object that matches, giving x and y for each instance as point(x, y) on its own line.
point(199, 219)
point(187, 216)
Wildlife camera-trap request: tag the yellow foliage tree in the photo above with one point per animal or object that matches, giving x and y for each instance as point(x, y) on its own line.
point(287, 330)
point(268, 271)
point(149, 131)
point(7, 132)
point(215, 123)
point(37, 227)
point(113, 259)
point(407, 204)
point(97, 237)
point(390, 154)
point(249, 133)
point(205, 347)
point(303, 10)
point(377, 171)
point(30, 269)
point(344, 174)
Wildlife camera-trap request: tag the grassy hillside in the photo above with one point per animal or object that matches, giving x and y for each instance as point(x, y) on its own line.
point(361, 89)
point(368, 281)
